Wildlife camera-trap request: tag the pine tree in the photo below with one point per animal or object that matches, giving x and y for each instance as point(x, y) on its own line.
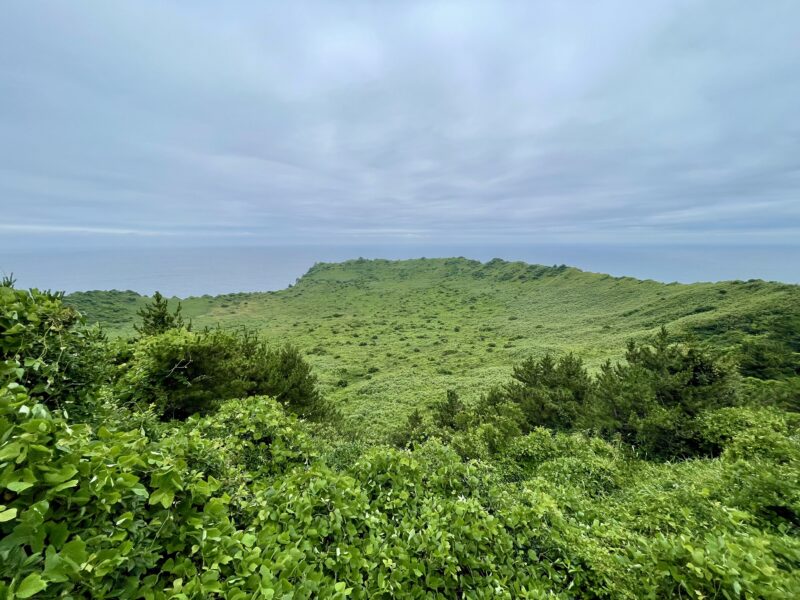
point(446, 412)
point(156, 317)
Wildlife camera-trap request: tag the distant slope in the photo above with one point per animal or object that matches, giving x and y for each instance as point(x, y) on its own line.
point(385, 336)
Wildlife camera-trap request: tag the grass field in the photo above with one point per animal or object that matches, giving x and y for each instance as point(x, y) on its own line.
point(385, 337)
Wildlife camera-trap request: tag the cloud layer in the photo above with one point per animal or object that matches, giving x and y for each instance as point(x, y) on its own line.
point(458, 122)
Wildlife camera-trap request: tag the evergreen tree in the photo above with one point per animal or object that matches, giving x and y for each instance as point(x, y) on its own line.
point(412, 432)
point(550, 392)
point(288, 379)
point(156, 317)
point(446, 412)
point(682, 375)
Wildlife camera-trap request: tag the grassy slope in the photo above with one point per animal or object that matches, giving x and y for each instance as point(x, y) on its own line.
point(400, 333)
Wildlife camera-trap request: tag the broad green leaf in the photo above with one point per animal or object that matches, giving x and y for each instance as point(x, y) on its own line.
point(9, 451)
point(8, 514)
point(31, 585)
point(19, 486)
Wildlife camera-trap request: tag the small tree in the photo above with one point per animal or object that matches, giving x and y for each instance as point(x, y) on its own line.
point(156, 317)
point(288, 379)
point(550, 392)
point(412, 432)
point(446, 412)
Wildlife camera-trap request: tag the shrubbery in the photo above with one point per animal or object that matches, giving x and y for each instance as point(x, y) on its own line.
point(61, 362)
point(240, 499)
point(651, 402)
point(184, 372)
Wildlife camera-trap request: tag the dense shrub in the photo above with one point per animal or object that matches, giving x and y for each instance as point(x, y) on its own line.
point(783, 394)
point(183, 372)
point(413, 431)
point(254, 435)
point(676, 384)
point(682, 375)
point(240, 502)
point(490, 428)
point(768, 359)
point(588, 463)
point(448, 413)
point(97, 513)
point(651, 401)
point(550, 392)
point(61, 362)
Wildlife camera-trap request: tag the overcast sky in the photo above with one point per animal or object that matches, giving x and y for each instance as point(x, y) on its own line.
point(351, 122)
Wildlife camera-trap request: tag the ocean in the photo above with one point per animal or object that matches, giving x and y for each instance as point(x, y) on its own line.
point(194, 271)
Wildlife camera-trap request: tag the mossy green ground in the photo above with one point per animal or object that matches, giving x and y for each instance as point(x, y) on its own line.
point(385, 337)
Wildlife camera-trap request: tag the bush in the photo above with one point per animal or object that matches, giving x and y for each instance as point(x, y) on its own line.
point(61, 362)
point(550, 393)
point(448, 413)
point(412, 432)
point(768, 359)
point(240, 503)
point(183, 373)
point(255, 435)
point(718, 429)
point(98, 513)
point(784, 394)
point(589, 464)
point(654, 400)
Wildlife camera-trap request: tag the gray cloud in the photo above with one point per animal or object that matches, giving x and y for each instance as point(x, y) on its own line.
point(614, 121)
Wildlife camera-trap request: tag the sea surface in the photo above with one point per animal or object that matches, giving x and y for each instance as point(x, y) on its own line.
point(194, 271)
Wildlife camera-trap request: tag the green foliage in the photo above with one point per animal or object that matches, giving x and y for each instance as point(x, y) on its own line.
point(783, 393)
point(184, 372)
point(655, 400)
point(768, 359)
point(448, 414)
point(156, 317)
point(650, 402)
point(254, 434)
point(509, 495)
point(180, 373)
point(683, 376)
point(570, 460)
point(428, 324)
point(287, 377)
point(97, 513)
point(551, 393)
point(413, 431)
point(45, 344)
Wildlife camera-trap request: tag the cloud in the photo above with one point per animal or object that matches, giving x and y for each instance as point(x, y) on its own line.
point(115, 231)
point(664, 121)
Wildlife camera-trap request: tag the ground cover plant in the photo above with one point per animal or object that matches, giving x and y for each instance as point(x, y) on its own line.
point(387, 337)
point(432, 428)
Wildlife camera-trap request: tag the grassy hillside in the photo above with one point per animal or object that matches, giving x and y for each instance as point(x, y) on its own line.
point(206, 464)
point(387, 336)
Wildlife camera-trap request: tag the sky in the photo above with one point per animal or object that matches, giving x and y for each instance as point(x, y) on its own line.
point(659, 122)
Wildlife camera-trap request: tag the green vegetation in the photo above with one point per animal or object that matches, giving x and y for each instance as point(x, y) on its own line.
point(182, 372)
point(157, 318)
point(388, 337)
point(477, 430)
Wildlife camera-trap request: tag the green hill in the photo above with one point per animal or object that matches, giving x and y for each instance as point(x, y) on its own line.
point(385, 337)
point(207, 464)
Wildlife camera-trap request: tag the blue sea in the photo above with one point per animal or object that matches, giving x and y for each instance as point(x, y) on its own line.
point(194, 271)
